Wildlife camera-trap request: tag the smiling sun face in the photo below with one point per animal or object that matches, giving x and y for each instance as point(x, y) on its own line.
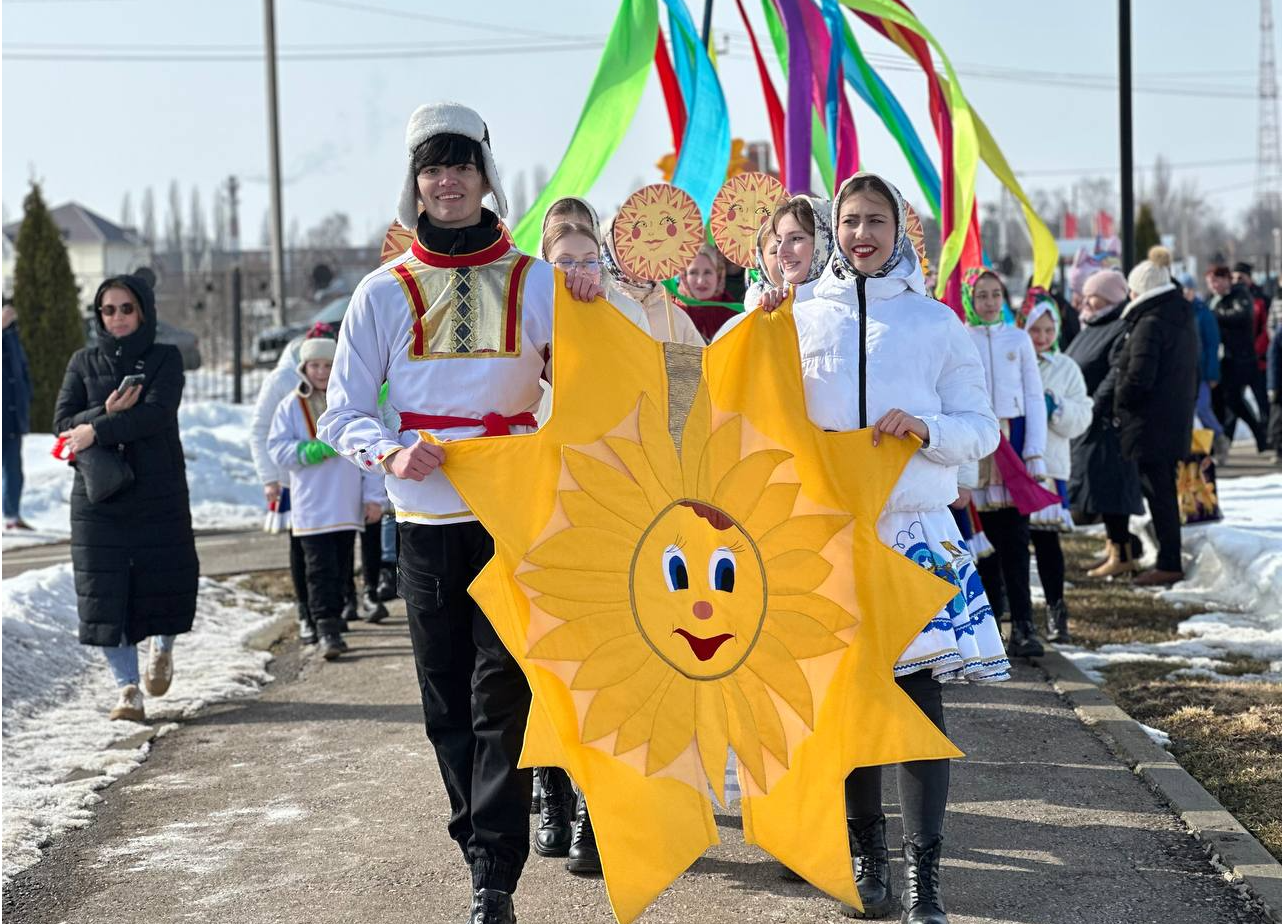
point(686, 590)
point(740, 208)
point(657, 232)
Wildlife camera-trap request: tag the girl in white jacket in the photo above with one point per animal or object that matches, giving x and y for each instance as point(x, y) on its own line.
point(1070, 411)
point(330, 499)
point(878, 352)
point(1016, 394)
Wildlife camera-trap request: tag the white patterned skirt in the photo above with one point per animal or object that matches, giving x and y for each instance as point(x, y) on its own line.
point(962, 642)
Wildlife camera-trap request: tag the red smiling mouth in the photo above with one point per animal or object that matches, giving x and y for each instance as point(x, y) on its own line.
point(703, 648)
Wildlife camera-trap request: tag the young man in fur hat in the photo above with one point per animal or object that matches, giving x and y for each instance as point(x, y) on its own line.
point(460, 326)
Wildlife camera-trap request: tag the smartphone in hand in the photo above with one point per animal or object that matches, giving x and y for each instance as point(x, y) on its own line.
point(130, 381)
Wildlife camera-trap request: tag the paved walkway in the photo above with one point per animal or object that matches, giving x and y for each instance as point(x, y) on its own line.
point(321, 802)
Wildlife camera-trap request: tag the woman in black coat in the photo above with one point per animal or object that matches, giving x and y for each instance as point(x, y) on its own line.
point(1155, 398)
point(133, 553)
point(1104, 484)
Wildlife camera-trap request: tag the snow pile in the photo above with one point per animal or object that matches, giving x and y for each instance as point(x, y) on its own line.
point(59, 745)
point(1235, 566)
point(225, 491)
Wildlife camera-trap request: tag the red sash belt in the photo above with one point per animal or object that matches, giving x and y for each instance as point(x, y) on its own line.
point(494, 424)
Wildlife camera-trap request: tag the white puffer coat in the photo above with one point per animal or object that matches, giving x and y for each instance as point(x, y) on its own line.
point(1071, 414)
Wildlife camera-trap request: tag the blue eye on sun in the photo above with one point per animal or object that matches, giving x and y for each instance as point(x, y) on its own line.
point(722, 570)
point(674, 563)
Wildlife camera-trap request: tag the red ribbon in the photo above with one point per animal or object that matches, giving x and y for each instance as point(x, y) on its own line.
point(494, 424)
point(62, 450)
point(673, 94)
point(1027, 494)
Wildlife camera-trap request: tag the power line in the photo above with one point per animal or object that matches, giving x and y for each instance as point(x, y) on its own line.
point(424, 52)
point(489, 28)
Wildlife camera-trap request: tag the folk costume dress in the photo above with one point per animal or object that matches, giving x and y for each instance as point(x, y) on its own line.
point(873, 343)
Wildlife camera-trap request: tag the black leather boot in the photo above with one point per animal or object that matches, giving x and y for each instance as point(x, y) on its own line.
point(491, 906)
point(583, 856)
point(1057, 624)
point(557, 806)
point(921, 899)
point(868, 841)
point(387, 587)
point(1022, 643)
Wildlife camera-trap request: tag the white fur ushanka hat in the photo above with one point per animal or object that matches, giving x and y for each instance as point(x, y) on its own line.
point(442, 119)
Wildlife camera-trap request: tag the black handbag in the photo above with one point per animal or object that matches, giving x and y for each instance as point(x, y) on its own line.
point(105, 471)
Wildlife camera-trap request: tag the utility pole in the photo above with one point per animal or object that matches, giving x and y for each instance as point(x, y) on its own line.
point(275, 239)
point(705, 26)
point(1126, 135)
point(234, 240)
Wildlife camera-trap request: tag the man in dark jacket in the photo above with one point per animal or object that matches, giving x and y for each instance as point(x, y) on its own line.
point(17, 417)
point(1210, 368)
point(1274, 380)
point(1242, 274)
point(1233, 306)
point(1155, 397)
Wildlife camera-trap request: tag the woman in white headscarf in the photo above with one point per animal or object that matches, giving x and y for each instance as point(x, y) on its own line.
point(668, 322)
point(878, 352)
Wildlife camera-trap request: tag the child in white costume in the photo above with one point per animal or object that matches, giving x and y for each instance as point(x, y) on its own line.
point(1016, 394)
point(1070, 411)
point(879, 352)
point(330, 499)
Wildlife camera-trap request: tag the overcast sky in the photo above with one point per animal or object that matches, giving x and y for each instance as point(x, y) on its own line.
point(93, 127)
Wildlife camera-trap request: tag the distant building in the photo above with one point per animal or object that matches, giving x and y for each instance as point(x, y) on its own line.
point(97, 248)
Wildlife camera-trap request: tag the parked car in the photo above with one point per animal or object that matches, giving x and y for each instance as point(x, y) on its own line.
point(270, 342)
point(187, 342)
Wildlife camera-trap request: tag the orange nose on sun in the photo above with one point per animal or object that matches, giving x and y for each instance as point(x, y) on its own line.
point(702, 609)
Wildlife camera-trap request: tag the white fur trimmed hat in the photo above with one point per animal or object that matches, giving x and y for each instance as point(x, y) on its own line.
point(442, 119)
point(316, 348)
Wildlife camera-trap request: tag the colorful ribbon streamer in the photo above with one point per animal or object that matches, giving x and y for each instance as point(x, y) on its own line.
point(672, 92)
point(775, 113)
point(707, 142)
point(607, 113)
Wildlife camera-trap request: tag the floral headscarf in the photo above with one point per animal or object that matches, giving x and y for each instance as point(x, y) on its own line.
point(900, 242)
point(971, 277)
point(1038, 303)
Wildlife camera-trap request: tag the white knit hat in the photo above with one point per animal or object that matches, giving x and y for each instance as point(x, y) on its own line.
point(316, 348)
point(1152, 273)
point(445, 119)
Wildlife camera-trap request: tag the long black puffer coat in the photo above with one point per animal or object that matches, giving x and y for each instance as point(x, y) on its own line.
point(1102, 479)
point(134, 554)
point(1157, 378)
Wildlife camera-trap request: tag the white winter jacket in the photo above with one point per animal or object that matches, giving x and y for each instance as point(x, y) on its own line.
point(1071, 414)
point(278, 383)
point(919, 358)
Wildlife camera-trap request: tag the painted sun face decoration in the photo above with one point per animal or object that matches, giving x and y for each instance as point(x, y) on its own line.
point(657, 232)
point(686, 590)
point(915, 231)
point(740, 208)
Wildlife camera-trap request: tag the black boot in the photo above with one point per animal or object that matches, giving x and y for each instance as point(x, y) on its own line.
point(868, 841)
point(535, 793)
point(921, 899)
point(491, 906)
point(583, 855)
point(349, 615)
point(307, 630)
point(387, 587)
point(1057, 627)
point(1022, 643)
point(557, 805)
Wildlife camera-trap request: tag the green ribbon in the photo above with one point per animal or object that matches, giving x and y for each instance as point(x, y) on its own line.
point(607, 114)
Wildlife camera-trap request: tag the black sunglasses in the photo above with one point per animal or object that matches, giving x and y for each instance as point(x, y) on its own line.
point(108, 310)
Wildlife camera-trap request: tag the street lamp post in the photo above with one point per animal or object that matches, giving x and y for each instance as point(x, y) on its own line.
point(274, 165)
point(1126, 136)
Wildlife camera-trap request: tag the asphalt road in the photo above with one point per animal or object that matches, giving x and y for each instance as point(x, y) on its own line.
point(321, 802)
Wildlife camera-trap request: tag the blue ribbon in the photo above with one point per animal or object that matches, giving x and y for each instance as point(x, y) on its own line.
point(834, 22)
point(707, 140)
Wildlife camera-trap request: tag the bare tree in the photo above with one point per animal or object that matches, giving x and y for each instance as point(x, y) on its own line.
point(220, 222)
point(149, 219)
point(331, 233)
point(174, 222)
point(126, 212)
point(198, 233)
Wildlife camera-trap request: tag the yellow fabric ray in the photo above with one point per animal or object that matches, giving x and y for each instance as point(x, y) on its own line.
point(674, 726)
point(565, 550)
point(741, 490)
point(695, 433)
point(807, 532)
point(711, 735)
point(610, 662)
point(578, 585)
point(609, 486)
point(658, 447)
point(744, 734)
point(576, 641)
point(722, 451)
point(639, 465)
point(774, 506)
point(583, 510)
point(766, 719)
point(797, 571)
point(772, 663)
point(619, 704)
point(802, 636)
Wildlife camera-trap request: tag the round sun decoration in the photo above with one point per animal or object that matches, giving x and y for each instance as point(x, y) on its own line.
point(686, 592)
point(657, 232)
point(740, 208)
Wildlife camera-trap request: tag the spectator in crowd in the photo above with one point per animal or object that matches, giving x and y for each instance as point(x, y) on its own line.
point(17, 417)
point(1274, 380)
point(702, 290)
point(1104, 485)
point(133, 552)
point(1210, 371)
point(1242, 274)
point(1233, 306)
point(1155, 397)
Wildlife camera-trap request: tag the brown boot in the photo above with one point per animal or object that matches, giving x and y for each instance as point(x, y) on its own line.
point(1119, 561)
point(1157, 578)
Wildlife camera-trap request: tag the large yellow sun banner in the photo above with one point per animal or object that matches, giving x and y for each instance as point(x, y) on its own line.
point(684, 566)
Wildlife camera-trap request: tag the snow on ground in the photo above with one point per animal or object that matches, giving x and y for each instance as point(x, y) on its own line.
point(59, 745)
point(1233, 566)
point(225, 491)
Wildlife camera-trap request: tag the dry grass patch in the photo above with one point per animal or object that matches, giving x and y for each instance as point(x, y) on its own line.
point(1225, 734)
point(275, 585)
point(1106, 612)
